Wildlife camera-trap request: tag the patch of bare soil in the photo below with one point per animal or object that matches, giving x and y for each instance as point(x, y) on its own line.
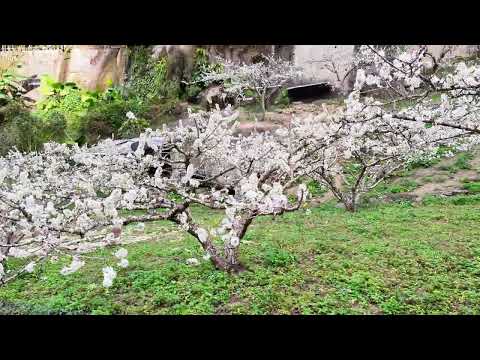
point(281, 117)
point(224, 309)
point(444, 183)
point(447, 188)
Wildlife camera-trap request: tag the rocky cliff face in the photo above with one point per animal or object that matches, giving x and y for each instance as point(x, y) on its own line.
point(239, 53)
point(181, 57)
point(94, 67)
point(91, 66)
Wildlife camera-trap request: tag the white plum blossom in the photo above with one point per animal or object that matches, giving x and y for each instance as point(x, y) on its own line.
point(123, 263)
point(30, 267)
point(234, 241)
point(74, 266)
point(140, 227)
point(192, 261)
point(202, 235)
point(121, 253)
point(360, 80)
point(378, 137)
point(109, 274)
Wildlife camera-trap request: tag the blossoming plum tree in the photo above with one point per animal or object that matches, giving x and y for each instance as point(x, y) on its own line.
point(57, 201)
point(263, 78)
point(392, 117)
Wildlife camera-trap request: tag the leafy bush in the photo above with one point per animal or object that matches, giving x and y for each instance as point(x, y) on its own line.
point(89, 115)
point(192, 92)
point(18, 129)
point(132, 128)
point(201, 65)
point(315, 188)
point(472, 187)
point(275, 257)
point(69, 100)
point(27, 132)
point(10, 87)
point(106, 118)
point(54, 127)
point(64, 97)
point(282, 99)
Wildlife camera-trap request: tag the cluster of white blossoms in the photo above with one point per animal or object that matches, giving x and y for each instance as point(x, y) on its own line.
point(270, 72)
point(56, 201)
point(109, 274)
point(130, 115)
point(121, 254)
point(75, 265)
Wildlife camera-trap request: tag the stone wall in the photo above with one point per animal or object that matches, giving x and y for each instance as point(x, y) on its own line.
point(181, 57)
point(312, 59)
point(455, 50)
point(238, 53)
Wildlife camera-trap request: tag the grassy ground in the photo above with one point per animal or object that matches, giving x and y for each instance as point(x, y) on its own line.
point(390, 259)
point(418, 256)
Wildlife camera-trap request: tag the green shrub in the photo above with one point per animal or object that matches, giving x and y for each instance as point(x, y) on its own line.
point(26, 131)
point(201, 64)
point(472, 187)
point(10, 88)
point(282, 99)
point(54, 127)
point(315, 188)
point(192, 92)
point(275, 257)
point(132, 128)
point(89, 115)
point(18, 129)
point(106, 118)
point(463, 161)
point(65, 97)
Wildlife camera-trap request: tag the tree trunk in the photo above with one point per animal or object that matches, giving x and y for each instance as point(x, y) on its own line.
point(350, 206)
point(263, 105)
point(350, 201)
point(229, 262)
point(232, 252)
point(231, 256)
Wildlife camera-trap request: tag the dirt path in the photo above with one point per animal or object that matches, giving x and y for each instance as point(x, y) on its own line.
point(444, 182)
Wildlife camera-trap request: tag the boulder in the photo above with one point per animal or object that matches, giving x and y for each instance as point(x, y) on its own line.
point(213, 95)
